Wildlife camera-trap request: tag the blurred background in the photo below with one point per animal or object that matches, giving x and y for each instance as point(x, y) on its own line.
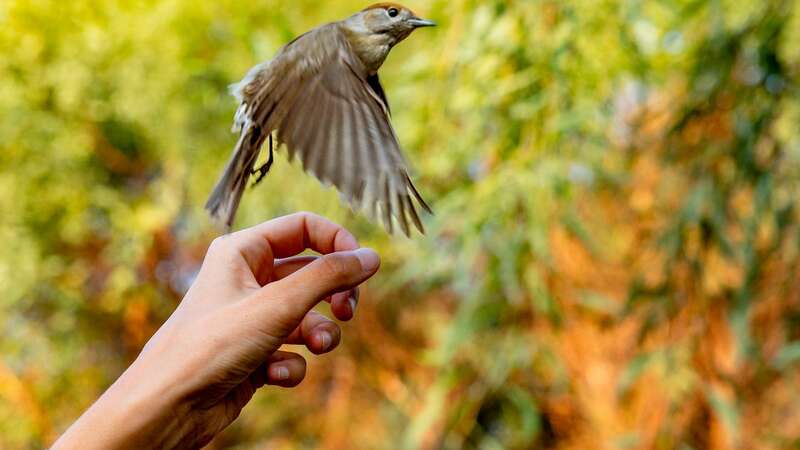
point(614, 262)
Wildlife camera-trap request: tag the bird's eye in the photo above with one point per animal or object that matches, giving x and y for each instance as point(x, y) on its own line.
point(393, 12)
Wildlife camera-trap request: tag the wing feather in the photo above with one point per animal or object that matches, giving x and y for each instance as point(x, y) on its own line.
point(402, 213)
point(360, 161)
point(328, 151)
point(311, 120)
point(337, 166)
point(387, 203)
point(311, 156)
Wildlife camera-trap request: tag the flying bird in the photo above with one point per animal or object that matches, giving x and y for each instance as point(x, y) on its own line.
point(322, 98)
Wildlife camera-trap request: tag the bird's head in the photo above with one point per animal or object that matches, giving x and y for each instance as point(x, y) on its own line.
point(391, 20)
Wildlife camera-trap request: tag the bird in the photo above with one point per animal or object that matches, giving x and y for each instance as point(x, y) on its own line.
point(322, 98)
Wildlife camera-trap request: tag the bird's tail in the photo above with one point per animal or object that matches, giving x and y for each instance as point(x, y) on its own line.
point(224, 199)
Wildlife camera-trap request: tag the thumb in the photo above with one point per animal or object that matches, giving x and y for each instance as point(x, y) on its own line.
point(286, 302)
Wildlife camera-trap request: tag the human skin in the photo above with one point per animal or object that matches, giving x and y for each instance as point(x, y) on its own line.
point(252, 295)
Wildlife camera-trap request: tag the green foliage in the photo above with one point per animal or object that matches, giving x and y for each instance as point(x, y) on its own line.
point(613, 262)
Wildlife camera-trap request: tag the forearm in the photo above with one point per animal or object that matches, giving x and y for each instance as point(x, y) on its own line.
point(135, 412)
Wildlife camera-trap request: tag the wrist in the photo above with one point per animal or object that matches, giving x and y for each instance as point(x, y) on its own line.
point(137, 411)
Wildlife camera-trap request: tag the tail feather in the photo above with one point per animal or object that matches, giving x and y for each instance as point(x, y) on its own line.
point(224, 199)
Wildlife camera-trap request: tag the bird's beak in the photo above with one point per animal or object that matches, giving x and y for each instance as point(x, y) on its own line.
point(419, 23)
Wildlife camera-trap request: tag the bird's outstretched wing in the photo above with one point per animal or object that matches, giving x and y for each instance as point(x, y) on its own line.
point(330, 113)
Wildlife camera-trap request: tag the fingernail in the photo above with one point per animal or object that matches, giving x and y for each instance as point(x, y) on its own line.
point(281, 373)
point(368, 258)
point(353, 303)
point(326, 339)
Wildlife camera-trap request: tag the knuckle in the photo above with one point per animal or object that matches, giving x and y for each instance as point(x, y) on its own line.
point(219, 245)
point(305, 215)
point(311, 219)
point(335, 269)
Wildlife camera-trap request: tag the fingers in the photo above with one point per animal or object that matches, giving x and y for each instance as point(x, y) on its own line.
point(283, 237)
point(290, 235)
point(280, 238)
point(285, 369)
point(343, 304)
point(287, 266)
point(318, 333)
point(284, 303)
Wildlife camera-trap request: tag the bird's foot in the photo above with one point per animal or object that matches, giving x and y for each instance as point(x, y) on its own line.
point(261, 172)
point(264, 169)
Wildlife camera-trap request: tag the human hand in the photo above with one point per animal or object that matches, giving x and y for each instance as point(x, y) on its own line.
point(252, 295)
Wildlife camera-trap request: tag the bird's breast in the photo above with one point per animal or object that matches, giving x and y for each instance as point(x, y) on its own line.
point(372, 50)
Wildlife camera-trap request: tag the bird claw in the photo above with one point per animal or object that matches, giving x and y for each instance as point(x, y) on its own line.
point(264, 169)
point(262, 172)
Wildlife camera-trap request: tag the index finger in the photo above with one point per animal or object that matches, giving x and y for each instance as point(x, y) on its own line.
point(290, 235)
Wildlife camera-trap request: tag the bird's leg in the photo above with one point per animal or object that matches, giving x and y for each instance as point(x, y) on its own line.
point(264, 169)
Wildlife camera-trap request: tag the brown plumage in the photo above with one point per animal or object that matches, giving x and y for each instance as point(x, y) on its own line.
point(322, 98)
